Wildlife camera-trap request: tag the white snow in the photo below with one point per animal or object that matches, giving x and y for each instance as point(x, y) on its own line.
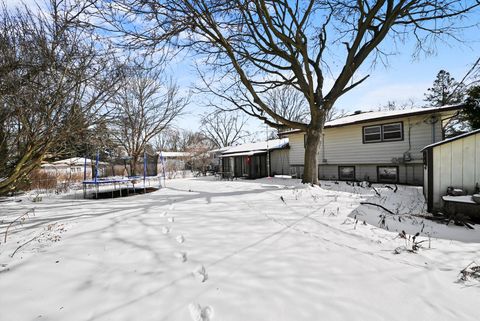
point(452, 139)
point(365, 116)
point(270, 249)
point(258, 146)
point(372, 115)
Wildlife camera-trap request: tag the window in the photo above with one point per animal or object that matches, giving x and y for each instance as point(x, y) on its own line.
point(346, 173)
point(372, 134)
point(383, 133)
point(392, 132)
point(387, 174)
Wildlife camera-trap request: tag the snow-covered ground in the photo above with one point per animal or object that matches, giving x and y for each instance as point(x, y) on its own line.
point(269, 249)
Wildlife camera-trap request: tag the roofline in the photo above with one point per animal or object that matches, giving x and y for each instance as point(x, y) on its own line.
point(416, 112)
point(263, 150)
point(452, 139)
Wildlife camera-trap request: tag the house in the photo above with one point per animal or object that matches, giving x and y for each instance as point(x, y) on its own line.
point(74, 167)
point(172, 162)
point(453, 162)
point(255, 160)
point(381, 146)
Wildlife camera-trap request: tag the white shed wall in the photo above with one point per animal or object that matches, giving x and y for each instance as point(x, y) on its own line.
point(456, 164)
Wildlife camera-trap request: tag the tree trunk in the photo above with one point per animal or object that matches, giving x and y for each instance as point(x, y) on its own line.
point(133, 166)
point(313, 139)
point(312, 146)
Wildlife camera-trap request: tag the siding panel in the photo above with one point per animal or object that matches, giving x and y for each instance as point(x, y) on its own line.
point(456, 162)
point(477, 159)
point(437, 177)
point(468, 164)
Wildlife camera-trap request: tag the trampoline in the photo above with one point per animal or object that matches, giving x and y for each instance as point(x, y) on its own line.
point(118, 186)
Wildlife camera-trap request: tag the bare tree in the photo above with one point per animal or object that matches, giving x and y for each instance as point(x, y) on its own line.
point(52, 73)
point(395, 105)
point(224, 128)
point(252, 47)
point(289, 103)
point(144, 107)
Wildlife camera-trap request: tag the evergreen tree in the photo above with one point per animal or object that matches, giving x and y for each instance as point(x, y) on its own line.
point(472, 107)
point(445, 90)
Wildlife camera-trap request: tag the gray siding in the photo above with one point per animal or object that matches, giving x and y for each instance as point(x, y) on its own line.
point(279, 161)
point(408, 174)
point(344, 145)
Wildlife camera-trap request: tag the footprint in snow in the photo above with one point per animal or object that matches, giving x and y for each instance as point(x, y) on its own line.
point(180, 239)
point(171, 219)
point(171, 206)
point(199, 313)
point(164, 213)
point(165, 230)
point(200, 273)
point(182, 256)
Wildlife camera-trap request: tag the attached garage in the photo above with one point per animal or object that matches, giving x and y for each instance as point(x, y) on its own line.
point(453, 162)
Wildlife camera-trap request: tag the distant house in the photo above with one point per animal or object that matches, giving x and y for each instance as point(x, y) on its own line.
point(381, 146)
point(216, 158)
point(250, 160)
point(453, 162)
point(74, 167)
point(171, 162)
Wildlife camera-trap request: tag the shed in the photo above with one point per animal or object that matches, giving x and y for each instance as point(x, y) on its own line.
point(453, 162)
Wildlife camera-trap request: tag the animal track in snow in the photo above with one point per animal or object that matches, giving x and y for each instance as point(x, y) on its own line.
point(171, 219)
point(199, 313)
point(201, 273)
point(180, 239)
point(182, 256)
point(164, 213)
point(165, 230)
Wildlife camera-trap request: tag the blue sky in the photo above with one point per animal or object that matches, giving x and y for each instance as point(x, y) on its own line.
point(402, 80)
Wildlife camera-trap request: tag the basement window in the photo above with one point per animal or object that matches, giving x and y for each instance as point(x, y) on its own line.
point(346, 173)
point(387, 174)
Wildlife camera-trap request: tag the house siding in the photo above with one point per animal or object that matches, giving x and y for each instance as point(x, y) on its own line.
point(279, 162)
point(407, 174)
point(343, 146)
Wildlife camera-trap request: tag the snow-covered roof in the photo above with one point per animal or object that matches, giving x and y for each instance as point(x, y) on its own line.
point(220, 150)
point(259, 146)
point(75, 161)
point(174, 154)
point(368, 116)
point(448, 140)
point(248, 153)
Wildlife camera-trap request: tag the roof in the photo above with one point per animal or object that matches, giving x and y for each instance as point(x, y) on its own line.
point(75, 161)
point(259, 146)
point(448, 140)
point(249, 153)
point(173, 154)
point(370, 116)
